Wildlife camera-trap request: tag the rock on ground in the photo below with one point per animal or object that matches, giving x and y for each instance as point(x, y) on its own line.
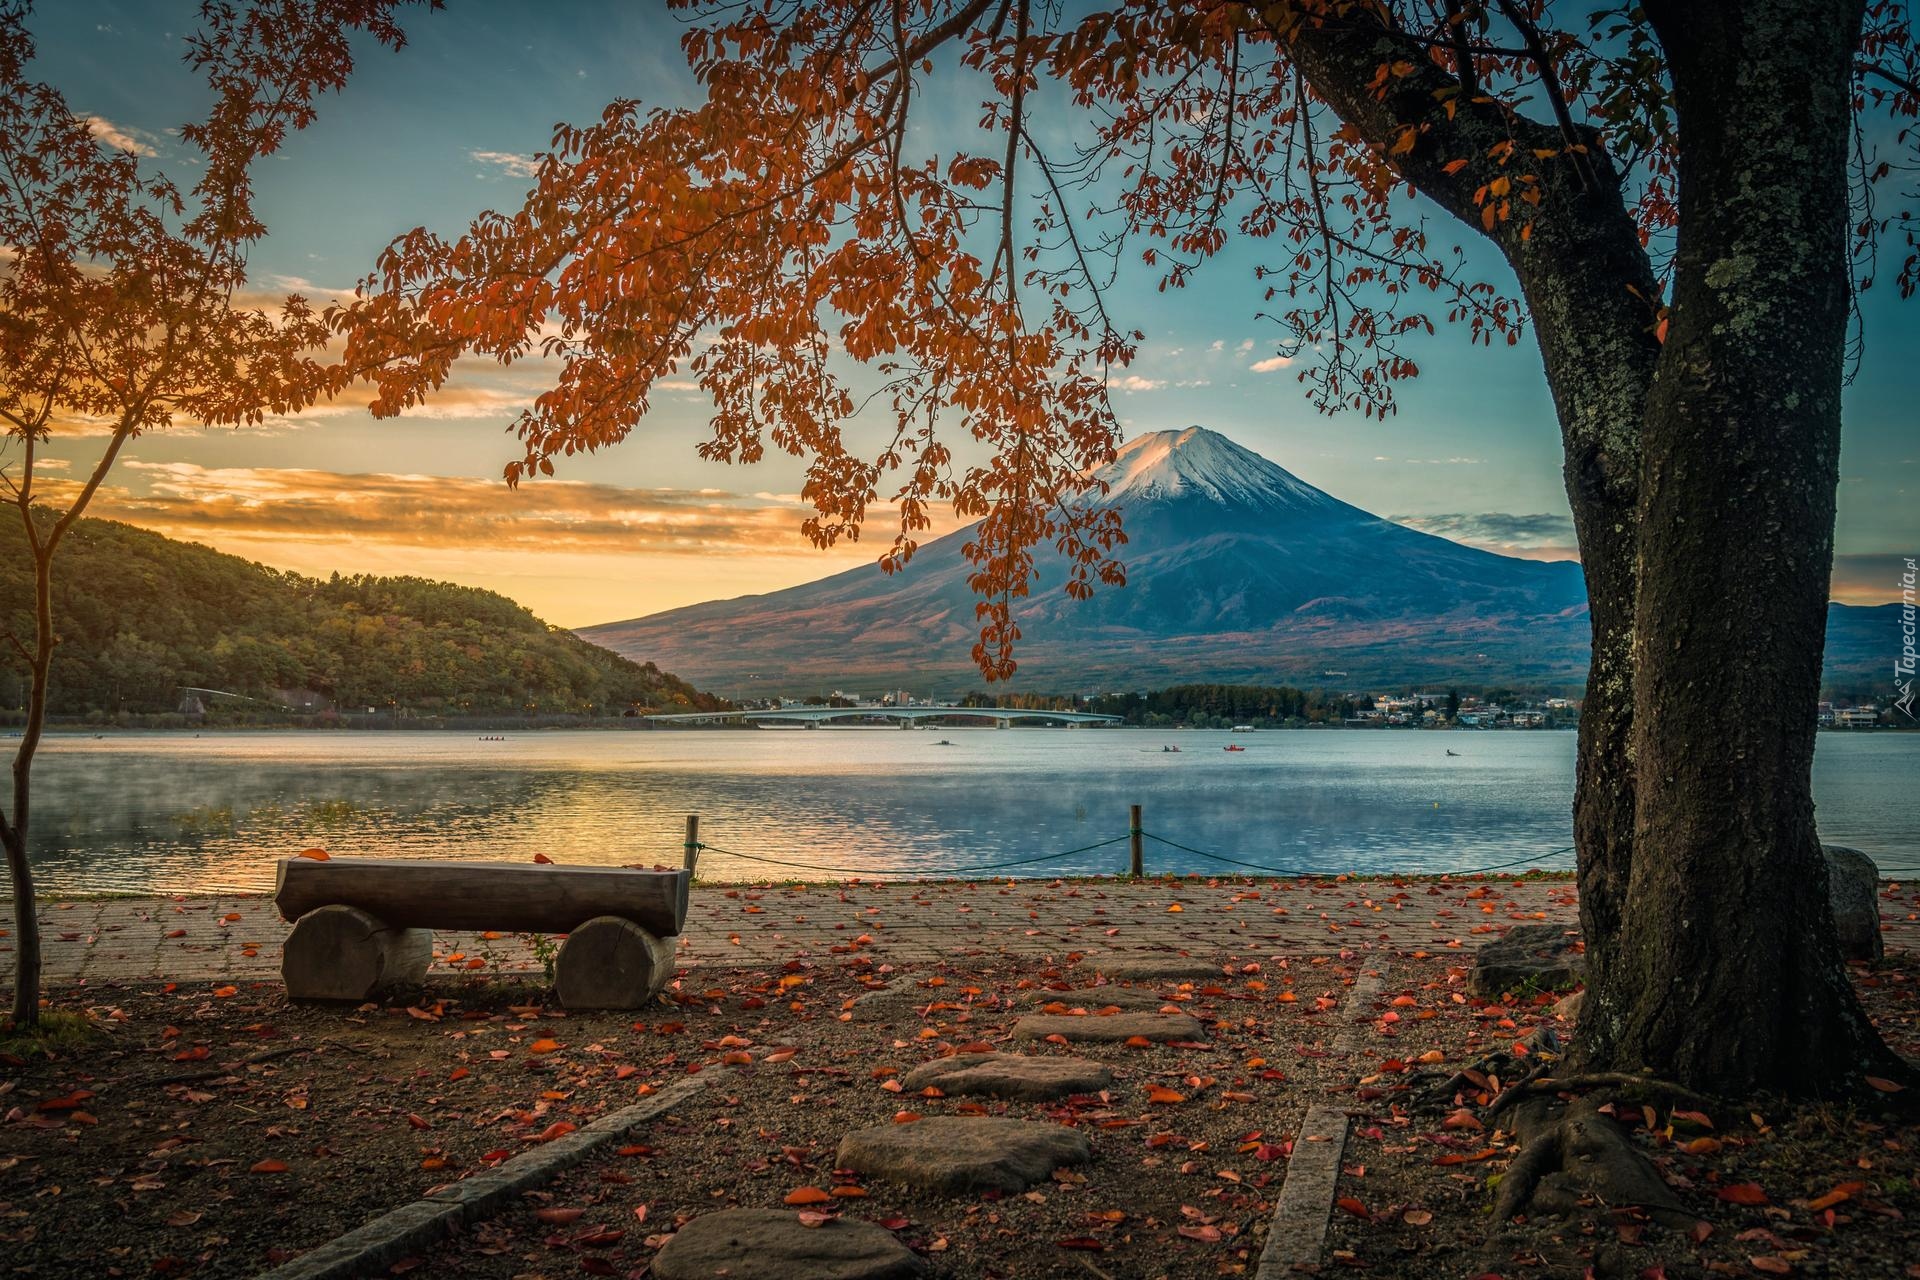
point(956, 1155)
point(1108, 1027)
point(1544, 957)
point(1853, 887)
point(1110, 996)
point(771, 1244)
point(1025, 1077)
point(1153, 966)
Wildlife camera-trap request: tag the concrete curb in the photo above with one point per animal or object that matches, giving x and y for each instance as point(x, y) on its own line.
point(1298, 1235)
point(377, 1244)
point(1364, 989)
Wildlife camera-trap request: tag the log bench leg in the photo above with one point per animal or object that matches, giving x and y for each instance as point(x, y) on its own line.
point(343, 953)
point(611, 963)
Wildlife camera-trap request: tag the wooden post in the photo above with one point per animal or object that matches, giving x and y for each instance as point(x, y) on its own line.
point(1133, 833)
point(693, 843)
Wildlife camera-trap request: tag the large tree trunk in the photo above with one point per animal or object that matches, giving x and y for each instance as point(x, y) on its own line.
point(1726, 975)
point(1591, 287)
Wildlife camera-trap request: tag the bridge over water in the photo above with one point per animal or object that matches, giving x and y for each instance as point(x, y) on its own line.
point(814, 717)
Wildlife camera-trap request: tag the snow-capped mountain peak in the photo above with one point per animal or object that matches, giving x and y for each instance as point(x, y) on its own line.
point(1195, 463)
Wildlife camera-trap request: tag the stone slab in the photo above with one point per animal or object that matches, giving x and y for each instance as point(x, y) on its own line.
point(958, 1155)
point(1154, 966)
point(1109, 1028)
point(1091, 999)
point(1019, 1076)
point(773, 1244)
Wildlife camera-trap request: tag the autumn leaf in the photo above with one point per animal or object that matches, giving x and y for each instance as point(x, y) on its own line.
point(69, 1102)
point(805, 1196)
point(1742, 1193)
point(1161, 1094)
point(1845, 1191)
point(268, 1166)
point(317, 855)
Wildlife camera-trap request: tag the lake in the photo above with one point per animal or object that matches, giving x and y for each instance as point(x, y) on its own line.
point(181, 813)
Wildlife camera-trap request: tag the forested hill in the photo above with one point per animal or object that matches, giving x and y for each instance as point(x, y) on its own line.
point(141, 617)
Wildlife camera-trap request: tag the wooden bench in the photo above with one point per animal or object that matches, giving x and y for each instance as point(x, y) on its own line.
point(361, 925)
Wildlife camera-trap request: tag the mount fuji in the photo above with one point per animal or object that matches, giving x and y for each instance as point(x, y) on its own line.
point(1237, 571)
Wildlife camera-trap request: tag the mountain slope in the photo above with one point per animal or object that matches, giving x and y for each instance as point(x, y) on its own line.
point(1238, 571)
point(140, 616)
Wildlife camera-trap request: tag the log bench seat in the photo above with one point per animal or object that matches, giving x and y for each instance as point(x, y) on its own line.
point(362, 925)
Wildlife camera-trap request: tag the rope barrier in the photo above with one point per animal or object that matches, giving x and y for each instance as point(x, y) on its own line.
point(886, 873)
point(1293, 872)
point(958, 872)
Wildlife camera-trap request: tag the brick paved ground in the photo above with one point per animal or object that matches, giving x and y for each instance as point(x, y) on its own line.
point(239, 936)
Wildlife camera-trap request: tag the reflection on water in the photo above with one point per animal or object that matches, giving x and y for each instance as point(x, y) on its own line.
point(179, 813)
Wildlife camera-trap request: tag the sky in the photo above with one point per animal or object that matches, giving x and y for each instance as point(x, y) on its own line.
point(449, 126)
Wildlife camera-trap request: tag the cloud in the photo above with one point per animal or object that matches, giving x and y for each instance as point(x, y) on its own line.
point(119, 137)
point(510, 163)
point(1271, 364)
point(1245, 347)
point(1134, 382)
point(1498, 528)
point(1218, 344)
point(301, 506)
point(1868, 577)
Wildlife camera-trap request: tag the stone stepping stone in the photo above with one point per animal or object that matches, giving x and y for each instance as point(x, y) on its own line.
point(1109, 1028)
point(955, 1155)
point(771, 1244)
point(1020, 1076)
point(1154, 966)
point(1092, 998)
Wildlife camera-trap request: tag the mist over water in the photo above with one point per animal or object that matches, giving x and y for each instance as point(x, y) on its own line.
point(183, 814)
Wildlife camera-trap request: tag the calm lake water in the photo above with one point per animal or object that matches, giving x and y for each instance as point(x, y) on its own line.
point(178, 813)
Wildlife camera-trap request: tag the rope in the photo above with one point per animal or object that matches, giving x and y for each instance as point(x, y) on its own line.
point(884, 872)
point(1291, 872)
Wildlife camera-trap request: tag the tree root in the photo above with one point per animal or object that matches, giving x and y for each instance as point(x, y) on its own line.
point(1573, 1155)
point(1536, 1085)
point(1542, 1043)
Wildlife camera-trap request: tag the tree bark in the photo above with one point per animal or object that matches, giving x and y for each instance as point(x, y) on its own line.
point(1591, 287)
point(1727, 976)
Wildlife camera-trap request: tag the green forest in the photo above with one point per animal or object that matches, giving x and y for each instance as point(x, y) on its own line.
point(144, 620)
